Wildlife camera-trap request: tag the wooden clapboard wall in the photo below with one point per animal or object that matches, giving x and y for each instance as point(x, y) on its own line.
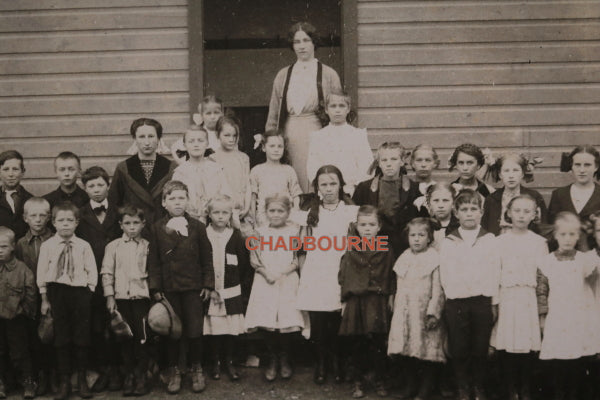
point(509, 75)
point(74, 74)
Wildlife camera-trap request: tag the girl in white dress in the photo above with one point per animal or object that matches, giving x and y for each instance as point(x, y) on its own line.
point(571, 330)
point(273, 176)
point(340, 144)
point(210, 110)
point(319, 292)
point(203, 176)
point(416, 331)
point(517, 330)
point(235, 164)
point(272, 304)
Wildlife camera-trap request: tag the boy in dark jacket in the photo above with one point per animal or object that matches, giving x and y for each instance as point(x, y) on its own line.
point(180, 268)
point(99, 225)
point(12, 195)
point(17, 306)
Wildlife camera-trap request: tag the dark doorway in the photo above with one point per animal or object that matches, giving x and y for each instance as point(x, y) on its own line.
point(245, 44)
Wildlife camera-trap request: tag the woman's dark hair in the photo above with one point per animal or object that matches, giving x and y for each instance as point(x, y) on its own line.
point(313, 212)
point(469, 149)
point(566, 162)
point(305, 27)
point(146, 121)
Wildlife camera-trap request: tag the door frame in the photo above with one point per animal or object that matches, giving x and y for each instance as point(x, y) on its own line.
point(349, 47)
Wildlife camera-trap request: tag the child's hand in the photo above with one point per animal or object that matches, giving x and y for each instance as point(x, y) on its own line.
point(271, 277)
point(111, 305)
point(158, 296)
point(391, 302)
point(215, 296)
point(491, 351)
point(205, 294)
point(45, 307)
point(495, 312)
point(542, 323)
point(431, 322)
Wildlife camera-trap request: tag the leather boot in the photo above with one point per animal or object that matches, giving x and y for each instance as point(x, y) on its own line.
point(141, 384)
point(64, 388)
point(285, 369)
point(198, 382)
point(215, 372)
point(84, 390)
point(320, 371)
point(128, 385)
point(43, 383)
point(174, 385)
point(271, 369)
point(102, 381)
point(114, 379)
point(29, 388)
point(336, 369)
point(231, 370)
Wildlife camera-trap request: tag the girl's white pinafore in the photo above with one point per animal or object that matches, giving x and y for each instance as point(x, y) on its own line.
point(274, 306)
point(572, 326)
point(517, 329)
point(319, 288)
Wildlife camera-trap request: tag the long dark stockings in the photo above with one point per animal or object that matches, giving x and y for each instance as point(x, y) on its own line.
point(517, 370)
point(324, 328)
point(568, 376)
point(368, 355)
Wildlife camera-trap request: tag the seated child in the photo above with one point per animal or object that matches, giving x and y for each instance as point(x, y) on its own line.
point(13, 195)
point(17, 306)
point(124, 280)
point(66, 278)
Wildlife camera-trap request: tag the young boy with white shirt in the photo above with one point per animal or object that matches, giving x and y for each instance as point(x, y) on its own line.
point(66, 278)
point(470, 275)
point(124, 280)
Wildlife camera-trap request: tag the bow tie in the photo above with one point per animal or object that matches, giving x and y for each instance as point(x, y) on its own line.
point(99, 210)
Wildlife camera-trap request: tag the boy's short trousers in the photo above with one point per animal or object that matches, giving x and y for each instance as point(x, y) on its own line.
point(135, 312)
point(189, 307)
point(71, 309)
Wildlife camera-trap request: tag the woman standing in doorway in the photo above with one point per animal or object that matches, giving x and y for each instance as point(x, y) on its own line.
point(297, 99)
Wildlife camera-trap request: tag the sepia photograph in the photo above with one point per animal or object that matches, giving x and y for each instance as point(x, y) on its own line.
point(300, 199)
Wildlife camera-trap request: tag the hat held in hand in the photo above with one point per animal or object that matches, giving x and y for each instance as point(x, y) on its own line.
point(46, 329)
point(163, 320)
point(119, 326)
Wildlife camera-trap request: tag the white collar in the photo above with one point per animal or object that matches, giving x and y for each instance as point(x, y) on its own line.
point(95, 204)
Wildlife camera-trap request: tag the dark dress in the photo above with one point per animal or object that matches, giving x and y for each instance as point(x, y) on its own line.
point(129, 186)
point(367, 280)
point(492, 209)
point(368, 192)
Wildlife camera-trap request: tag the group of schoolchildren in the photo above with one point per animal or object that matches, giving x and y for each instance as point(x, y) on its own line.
point(470, 268)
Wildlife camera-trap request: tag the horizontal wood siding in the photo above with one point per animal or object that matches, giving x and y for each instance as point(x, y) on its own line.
point(509, 75)
point(74, 74)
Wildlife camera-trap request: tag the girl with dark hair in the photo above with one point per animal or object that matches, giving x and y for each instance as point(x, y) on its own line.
point(139, 180)
point(582, 197)
point(319, 293)
point(511, 169)
point(297, 99)
point(468, 159)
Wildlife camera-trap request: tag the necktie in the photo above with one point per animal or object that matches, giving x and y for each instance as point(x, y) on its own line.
point(65, 263)
point(16, 201)
point(99, 210)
